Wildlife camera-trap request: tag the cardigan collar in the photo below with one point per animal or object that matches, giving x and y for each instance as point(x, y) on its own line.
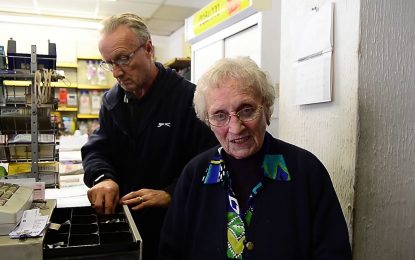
point(273, 165)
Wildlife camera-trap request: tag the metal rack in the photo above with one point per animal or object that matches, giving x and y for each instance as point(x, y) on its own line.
point(27, 133)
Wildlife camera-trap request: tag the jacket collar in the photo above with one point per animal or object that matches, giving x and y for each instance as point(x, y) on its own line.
point(117, 94)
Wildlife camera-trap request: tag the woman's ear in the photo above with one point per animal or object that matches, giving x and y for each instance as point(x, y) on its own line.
point(267, 116)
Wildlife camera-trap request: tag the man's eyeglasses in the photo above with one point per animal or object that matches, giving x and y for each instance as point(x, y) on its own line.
point(122, 61)
point(244, 115)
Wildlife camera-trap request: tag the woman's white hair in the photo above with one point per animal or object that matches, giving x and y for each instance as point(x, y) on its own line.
point(248, 76)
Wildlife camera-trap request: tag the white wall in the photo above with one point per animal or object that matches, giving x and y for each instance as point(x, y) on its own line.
point(161, 50)
point(385, 189)
point(169, 47)
point(256, 34)
point(270, 53)
point(70, 42)
point(270, 40)
point(177, 45)
point(329, 130)
point(365, 136)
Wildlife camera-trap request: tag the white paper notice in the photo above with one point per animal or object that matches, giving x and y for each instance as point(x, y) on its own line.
point(31, 225)
point(313, 63)
point(313, 80)
point(315, 32)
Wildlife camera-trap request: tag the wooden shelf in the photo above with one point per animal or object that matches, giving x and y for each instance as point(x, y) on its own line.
point(67, 65)
point(86, 86)
point(61, 84)
point(17, 83)
point(26, 83)
point(90, 58)
point(67, 109)
point(87, 116)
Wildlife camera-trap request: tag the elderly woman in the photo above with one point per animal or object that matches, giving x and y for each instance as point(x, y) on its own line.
point(254, 196)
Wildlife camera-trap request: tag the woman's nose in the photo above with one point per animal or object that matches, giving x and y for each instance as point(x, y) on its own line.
point(235, 125)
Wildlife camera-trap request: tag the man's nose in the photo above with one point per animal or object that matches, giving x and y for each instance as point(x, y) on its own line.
point(116, 71)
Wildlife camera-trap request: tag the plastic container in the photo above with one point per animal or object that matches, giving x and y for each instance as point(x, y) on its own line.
point(63, 96)
point(95, 102)
point(91, 73)
point(84, 103)
point(72, 99)
point(102, 76)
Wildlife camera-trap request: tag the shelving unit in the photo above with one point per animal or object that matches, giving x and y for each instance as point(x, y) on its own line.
point(28, 133)
point(76, 74)
point(181, 65)
point(178, 63)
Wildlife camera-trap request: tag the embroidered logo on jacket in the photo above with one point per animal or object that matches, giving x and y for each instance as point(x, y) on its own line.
point(164, 124)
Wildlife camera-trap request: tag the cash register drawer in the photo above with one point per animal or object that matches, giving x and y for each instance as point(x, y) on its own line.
point(83, 234)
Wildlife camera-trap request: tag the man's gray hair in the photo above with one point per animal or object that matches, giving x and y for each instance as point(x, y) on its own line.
point(133, 21)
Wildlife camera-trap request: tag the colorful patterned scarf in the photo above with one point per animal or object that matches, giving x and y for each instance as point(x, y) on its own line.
point(274, 168)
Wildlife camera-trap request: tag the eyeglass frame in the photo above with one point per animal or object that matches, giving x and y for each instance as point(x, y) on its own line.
point(110, 66)
point(236, 114)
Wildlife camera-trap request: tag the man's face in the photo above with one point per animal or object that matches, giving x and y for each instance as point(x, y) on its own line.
point(123, 44)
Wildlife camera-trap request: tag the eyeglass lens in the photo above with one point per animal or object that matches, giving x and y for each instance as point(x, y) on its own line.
point(121, 61)
point(244, 115)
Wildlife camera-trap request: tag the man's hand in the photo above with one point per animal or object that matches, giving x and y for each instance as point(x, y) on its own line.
point(144, 198)
point(104, 196)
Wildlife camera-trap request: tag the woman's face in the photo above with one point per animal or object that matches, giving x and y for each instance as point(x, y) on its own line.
point(239, 139)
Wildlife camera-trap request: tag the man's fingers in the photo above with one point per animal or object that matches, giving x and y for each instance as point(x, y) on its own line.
point(98, 203)
point(104, 196)
point(109, 207)
point(133, 200)
point(132, 195)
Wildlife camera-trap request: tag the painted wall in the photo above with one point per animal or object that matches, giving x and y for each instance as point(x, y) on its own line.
point(270, 53)
point(385, 190)
point(329, 130)
point(70, 42)
point(177, 46)
point(234, 39)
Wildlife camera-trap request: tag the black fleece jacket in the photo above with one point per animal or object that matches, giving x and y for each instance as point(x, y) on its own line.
point(146, 143)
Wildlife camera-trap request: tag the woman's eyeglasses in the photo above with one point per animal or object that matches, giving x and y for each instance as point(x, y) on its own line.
point(244, 115)
point(122, 61)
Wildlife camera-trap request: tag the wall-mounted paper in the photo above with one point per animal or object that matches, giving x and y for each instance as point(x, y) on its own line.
point(313, 80)
point(314, 56)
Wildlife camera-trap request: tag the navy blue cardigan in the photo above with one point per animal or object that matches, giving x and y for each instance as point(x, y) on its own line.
point(298, 219)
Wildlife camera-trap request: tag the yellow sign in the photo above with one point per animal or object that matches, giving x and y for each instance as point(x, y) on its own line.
point(216, 12)
point(26, 167)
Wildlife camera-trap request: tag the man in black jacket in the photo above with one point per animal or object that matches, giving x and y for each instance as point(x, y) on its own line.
point(148, 130)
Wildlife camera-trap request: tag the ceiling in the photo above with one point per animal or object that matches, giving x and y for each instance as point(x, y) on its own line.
point(163, 17)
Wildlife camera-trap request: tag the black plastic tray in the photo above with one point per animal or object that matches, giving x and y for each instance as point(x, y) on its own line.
point(85, 233)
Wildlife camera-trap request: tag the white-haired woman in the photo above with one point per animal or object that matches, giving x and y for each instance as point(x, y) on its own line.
point(253, 196)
